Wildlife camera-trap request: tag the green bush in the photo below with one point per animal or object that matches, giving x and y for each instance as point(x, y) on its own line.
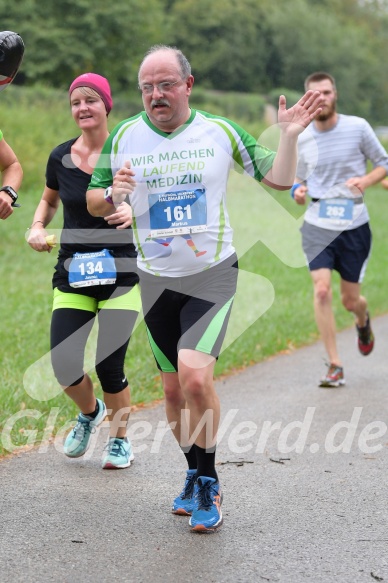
point(291, 96)
point(244, 108)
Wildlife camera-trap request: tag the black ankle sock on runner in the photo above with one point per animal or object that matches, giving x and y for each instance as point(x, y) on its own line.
point(191, 456)
point(95, 412)
point(206, 462)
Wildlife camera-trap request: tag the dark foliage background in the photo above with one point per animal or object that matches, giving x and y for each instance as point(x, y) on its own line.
point(248, 46)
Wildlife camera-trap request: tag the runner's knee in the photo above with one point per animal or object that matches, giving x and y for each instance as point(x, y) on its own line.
point(69, 371)
point(349, 303)
point(322, 292)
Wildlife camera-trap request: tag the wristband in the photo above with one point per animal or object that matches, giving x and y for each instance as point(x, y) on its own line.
point(108, 195)
point(293, 188)
point(35, 224)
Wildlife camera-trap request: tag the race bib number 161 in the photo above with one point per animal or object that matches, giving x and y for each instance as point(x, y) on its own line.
point(178, 213)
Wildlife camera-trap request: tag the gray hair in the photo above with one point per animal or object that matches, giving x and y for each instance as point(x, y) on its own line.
point(184, 65)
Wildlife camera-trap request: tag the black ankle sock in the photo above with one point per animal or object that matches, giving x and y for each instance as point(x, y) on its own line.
point(95, 412)
point(191, 456)
point(206, 462)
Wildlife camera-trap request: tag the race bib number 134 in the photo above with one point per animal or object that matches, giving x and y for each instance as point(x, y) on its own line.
point(96, 268)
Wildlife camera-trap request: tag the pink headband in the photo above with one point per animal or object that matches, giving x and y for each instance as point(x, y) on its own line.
point(96, 82)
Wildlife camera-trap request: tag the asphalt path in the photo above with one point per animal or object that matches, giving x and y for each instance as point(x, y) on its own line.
point(303, 471)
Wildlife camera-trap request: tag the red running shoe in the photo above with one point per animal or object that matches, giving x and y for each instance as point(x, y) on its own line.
point(366, 339)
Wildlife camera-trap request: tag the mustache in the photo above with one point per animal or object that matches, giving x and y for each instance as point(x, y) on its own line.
point(155, 102)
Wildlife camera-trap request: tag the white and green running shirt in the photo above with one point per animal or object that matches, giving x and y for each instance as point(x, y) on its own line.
point(181, 224)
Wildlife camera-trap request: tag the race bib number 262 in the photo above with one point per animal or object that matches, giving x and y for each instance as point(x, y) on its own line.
point(336, 210)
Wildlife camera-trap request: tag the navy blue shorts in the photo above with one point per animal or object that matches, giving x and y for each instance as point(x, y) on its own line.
point(344, 251)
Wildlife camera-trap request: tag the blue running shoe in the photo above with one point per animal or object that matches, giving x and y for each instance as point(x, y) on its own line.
point(120, 454)
point(184, 503)
point(78, 440)
point(207, 515)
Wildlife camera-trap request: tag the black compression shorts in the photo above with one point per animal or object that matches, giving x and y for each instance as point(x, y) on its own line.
point(189, 312)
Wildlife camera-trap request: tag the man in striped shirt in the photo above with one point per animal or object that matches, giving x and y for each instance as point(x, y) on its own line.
point(332, 170)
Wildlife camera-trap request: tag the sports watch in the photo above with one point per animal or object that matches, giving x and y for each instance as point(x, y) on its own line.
point(108, 195)
point(12, 193)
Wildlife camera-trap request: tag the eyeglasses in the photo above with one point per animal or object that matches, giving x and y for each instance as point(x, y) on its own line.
point(163, 87)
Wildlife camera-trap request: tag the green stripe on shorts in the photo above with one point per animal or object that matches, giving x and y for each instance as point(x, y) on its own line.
point(209, 338)
point(162, 360)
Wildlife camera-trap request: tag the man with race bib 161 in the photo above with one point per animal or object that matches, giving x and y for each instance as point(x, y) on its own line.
point(332, 171)
point(174, 163)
